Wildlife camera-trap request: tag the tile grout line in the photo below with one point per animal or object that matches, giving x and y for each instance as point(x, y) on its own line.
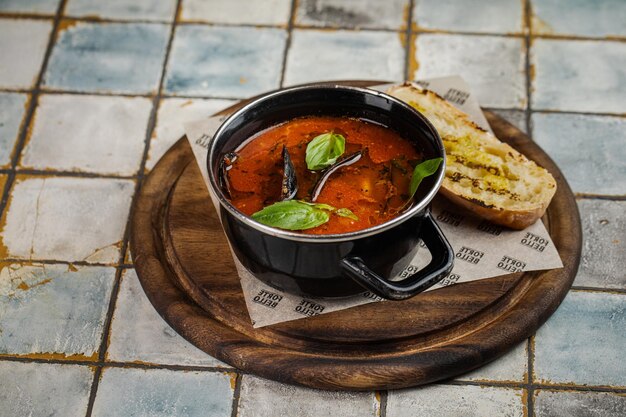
point(230, 370)
point(76, 174)
point(93, 390)
point(585, 196)
point(408, 41)
point(581, 113)
point(384, 397)
point(125, 243)
point(27, 15)
point(527, 13)
point(32, 104)
point(45, 90)
point(530, 387)
point(118, 364)
point(236, 395)
point(528, 67)
point(90, 19)
point(64, 262)
point(292, 18)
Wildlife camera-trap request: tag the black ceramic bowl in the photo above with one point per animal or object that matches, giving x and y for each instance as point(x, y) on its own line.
point(341, 264)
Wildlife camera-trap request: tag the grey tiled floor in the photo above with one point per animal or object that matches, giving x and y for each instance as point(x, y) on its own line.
point(92, 93)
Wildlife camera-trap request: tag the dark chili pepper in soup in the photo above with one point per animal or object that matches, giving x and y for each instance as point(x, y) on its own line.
point(375, 188)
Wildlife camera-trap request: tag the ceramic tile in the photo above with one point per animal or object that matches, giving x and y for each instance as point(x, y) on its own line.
point(29, 6)
point(44, 390)
point(513, 366)
point(588, 149)
point(516, 117)
point(53, 309)
point(585, 76)
point(12, 109)
point(454, 400)
point(579, 17)
point(172, 115)
point(23, 44)
point(225, 61)
point(579, 404)
point(583, 342)
point(368, 14)
point(493, 66)
point(66, 218)
point(160, 392)
point(323, 55)
point(104, 135)
point(108, 57)
point(604, 227)
point(264, 398)
point(138, 332)
point(161, 10)
point(480, 16)
point(267, 12)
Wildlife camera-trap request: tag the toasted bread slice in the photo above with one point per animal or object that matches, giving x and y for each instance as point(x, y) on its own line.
point(484, 175)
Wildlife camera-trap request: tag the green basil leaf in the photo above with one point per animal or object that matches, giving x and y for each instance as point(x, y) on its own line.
point(324, 150)
point(321, 206)
point(421, 171)
point(344, 212)
point(291, 215)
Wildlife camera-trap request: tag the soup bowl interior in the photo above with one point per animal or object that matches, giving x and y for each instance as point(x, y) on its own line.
point(337, 101)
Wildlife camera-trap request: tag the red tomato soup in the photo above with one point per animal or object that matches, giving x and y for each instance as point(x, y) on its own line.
point(375, 188)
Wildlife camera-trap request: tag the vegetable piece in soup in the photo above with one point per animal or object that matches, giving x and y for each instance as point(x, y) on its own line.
point(371, 188)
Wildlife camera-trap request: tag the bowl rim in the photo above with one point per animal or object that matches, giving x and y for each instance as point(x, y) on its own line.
point(324, 238)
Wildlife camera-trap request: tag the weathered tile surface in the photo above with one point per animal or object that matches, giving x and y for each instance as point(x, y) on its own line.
point(513, 366)
point(160, 392)
point(22, 47)
point(43, 390)
point(579, 404)
point(604, 244)
point(589, 150)
point(264, 398)
point(332, 55)
point(267, 12)
point(481, 16)
point(455, 401)
point(493, 66)
point(138, 333)
point(108, 57)
point(29, 6)
point(579, 17)
point(122, 9)
point(12, 108)
point(225, 61)
point(172, 115)
point(516, 117)
point(367, 14)
point(583, 342)
point(69, 219)
point(587, 76)
point(48, 309)
point(104, 135)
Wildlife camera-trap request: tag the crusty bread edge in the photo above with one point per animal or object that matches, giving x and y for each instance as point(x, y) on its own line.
point(519, 219)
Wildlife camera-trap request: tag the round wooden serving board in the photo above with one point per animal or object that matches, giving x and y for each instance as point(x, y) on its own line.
point(186, 269)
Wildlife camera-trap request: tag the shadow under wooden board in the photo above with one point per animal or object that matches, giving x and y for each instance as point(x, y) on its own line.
point(186, 269)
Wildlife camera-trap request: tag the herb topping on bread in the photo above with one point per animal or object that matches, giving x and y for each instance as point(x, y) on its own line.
point(483, 174)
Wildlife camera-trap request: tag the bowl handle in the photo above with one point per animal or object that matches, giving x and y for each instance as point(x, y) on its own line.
point(441, 263)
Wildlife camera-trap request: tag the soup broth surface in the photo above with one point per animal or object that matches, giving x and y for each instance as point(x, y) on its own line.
point(375, 188)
